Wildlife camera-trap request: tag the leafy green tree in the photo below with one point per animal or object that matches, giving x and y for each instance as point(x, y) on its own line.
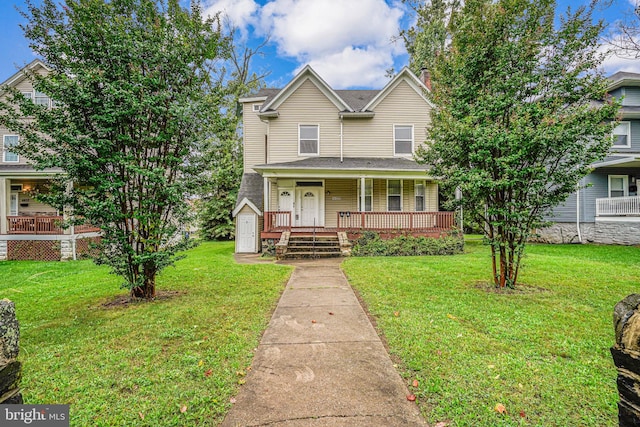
point(223, 156)
point(430, 34)
point(133, 98)
point(521, 115)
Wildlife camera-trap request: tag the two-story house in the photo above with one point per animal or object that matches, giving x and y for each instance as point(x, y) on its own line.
point(30, 229)
point(606, 208)
point(325, 161)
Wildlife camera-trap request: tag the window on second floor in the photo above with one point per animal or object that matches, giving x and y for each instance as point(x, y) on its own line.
point(41, 99)
point(394, 195)
point(402, 140)
point(622, 135)
point(308, 140)
point(9, 141)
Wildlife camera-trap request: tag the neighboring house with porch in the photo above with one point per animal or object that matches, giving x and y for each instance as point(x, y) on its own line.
point(607, 207)
point(30, 229)
point(325, 162)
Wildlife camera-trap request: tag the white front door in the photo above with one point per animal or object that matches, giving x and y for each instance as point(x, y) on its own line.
point(310, 207)
point(246, 233)
point(13, 206)
point(285, 204)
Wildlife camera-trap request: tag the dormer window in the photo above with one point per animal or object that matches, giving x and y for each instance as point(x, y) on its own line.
point(308, 140)
point(402, 140)
point(622, 135)
point(256, 107)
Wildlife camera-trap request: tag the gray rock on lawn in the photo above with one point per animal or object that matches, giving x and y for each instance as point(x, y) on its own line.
point(9, 332)
point(626, 356)
point(10, 368)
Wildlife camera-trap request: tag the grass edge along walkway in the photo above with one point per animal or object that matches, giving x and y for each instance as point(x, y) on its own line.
point(171, 362)
point(541, 351)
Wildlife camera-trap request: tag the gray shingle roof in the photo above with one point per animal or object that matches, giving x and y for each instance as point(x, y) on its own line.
point(356, 99)
point(251, 187)
point(624, 78)
point(350, 163)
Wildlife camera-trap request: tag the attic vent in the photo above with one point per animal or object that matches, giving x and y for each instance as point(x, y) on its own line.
point(16, 187)
point(256, 107)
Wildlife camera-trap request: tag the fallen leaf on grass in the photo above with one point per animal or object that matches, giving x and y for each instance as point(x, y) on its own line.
point(200, 363)
point(208, 373)
point(183, 409)
point(442, 424)
point(415, 383)
point(241, 382)
point(232, 400)
point(396, 313)
point(500, 409)
point(411, 397)
point(522, 414)
point(451, 316)
point(240, 373)
point(141, 415)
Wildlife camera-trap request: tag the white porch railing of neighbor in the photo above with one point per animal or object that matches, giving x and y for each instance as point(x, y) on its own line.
point(612, 206)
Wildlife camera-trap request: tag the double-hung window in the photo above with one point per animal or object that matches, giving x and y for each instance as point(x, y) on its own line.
point(41, 99)
point(368, 195)
point(402, 140)
point(394, 195)
point(420, 194)
point(618, 185)
point(9, 141)
point(622, 135)
point(308, 140)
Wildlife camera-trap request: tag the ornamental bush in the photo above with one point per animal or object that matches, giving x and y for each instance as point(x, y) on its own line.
point(371, 244)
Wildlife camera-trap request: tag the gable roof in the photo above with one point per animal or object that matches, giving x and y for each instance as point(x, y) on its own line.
point(407, 76)
point(354, 102)
point(20, 74)
point(307, 73)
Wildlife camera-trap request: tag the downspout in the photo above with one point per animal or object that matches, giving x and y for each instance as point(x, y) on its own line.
point(578, 212)
point(341, 138)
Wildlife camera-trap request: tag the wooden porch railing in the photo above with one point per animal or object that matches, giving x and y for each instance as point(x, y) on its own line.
point(613, 206)
point(34, 225)
point(384, 221)
point(43, 225)
point(277, 221)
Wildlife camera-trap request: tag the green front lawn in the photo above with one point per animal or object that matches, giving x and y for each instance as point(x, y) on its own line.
point(140, 364)
point(541, 351)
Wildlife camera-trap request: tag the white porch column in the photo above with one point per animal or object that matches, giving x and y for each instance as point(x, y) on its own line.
point(5, 195)
point(266, 195)
point(363, 193)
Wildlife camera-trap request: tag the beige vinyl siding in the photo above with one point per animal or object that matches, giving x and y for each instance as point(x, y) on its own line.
point(309, 106)
point(431, 196)
point(374, 137)
point(340, 196)
point(254, 132)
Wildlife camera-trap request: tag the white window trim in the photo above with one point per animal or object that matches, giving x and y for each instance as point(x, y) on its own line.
point(256, 107)
point(401, 194)
point(412, 140)
point(367, 180)
point(4, 150)
point(625, 184)
point(415, 195)
point(628, 125)
point(317, 154)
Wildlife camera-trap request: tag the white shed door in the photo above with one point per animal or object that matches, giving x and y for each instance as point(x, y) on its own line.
point(247, 233)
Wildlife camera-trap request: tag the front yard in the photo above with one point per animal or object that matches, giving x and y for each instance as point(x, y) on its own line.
point(141, 364)
point(542, 351)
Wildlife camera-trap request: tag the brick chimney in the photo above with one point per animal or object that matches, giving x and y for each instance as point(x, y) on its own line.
point(425, 77)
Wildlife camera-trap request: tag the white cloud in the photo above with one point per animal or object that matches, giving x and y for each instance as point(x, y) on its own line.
point(240, 12)
point(347, 42)
point(615, 63)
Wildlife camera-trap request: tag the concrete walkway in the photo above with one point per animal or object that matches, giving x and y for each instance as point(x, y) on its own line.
point(320, 361)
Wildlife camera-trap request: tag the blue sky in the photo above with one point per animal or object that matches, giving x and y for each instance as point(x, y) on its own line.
point(349, 42)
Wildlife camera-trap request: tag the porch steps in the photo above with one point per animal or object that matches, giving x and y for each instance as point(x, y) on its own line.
point(304, 246)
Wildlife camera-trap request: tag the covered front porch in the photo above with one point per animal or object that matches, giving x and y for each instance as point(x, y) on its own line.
point(327, 195)
point(619, 175)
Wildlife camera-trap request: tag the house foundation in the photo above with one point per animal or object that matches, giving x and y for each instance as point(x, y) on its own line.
point(601, 232)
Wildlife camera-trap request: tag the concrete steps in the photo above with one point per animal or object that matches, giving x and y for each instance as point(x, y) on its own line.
point(308, 246)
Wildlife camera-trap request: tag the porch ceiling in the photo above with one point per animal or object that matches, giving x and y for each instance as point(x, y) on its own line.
point(348, 167)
